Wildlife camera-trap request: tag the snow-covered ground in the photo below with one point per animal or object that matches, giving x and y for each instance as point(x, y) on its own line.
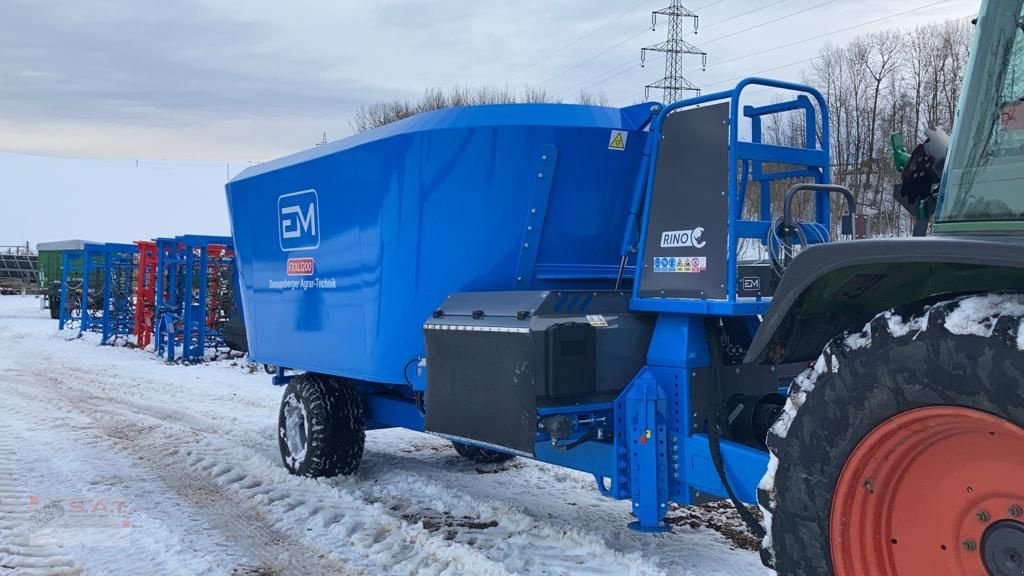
point(112, 462)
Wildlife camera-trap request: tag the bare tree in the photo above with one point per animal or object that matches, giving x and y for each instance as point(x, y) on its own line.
point(885, 82)
point(380, 113)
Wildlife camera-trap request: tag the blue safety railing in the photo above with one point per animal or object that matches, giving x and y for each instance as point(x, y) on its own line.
point(747, 159)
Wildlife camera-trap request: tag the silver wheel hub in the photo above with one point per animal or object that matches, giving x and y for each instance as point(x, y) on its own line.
point(295, 431)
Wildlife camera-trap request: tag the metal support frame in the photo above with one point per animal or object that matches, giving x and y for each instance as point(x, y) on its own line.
point(812, 160)
point(168, 299)
point(98, 283)
point(193, 295)
point(71, 284)
point(145, 293)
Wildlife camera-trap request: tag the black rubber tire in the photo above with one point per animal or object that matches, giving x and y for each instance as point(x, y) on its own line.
point(234, 334)
point(481, 455)
point(859, 389)
point(335, 426)
point(53, 301)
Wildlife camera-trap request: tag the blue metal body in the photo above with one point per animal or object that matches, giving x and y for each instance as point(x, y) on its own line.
point(480, 198)
point(100, 278)
point(505, 198)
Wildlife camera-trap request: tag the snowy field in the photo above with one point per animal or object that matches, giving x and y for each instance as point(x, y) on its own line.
point(112, 462)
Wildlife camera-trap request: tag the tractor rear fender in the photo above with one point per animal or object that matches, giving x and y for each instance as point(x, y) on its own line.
point(831, 288)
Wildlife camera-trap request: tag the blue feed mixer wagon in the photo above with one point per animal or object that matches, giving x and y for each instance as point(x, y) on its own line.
point(630, 292)
point(473, 273)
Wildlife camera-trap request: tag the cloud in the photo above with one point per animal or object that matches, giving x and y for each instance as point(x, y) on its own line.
point(149, 64)
point(255, 79)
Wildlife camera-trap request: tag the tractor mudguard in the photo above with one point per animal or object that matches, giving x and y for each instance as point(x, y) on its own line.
point(830, 288)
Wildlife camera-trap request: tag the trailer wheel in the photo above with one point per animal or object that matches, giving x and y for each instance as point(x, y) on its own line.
point(321, 431)
point(53, 303)
point(481, 455)
point(234, 335)
point(901, 451)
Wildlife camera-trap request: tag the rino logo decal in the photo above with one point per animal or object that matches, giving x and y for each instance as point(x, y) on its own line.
point(298, 216)
point(683, 238)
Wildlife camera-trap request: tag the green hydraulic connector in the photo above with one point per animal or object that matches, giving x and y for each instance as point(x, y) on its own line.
point(900, 156)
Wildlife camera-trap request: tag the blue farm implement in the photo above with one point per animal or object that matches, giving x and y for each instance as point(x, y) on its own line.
point(482, 284)
point(97, 291)
point(193, 295)
point(592, 287)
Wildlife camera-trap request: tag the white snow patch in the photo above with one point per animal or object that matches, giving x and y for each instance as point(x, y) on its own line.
point(978, 315)
point(802, 385)
point(899, 327)
point(768, 481)
point(860, 339)
point(194, 448)
point(768, 485)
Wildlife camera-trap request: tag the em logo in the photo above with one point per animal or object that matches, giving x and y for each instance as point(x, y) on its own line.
point(299, 220)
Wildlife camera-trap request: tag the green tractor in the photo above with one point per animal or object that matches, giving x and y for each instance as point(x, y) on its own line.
point(901, 450)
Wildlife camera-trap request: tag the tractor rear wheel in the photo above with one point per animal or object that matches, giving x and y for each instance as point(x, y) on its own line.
point(481, 455)
point(321, 429)
point(901, 451)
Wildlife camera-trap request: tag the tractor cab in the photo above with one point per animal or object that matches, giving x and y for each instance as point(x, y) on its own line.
point(980, 181)
point(981, 190)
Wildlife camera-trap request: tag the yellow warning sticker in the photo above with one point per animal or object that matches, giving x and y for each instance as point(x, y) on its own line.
point(617, 141)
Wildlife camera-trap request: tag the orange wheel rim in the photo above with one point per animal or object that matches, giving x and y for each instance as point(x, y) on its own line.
point(936, 491)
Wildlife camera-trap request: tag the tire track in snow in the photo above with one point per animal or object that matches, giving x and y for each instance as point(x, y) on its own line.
point(402, 519)
point(165, 539)
point(247, 540)
point(213, 418)
point(18, 555)
point(230, 496)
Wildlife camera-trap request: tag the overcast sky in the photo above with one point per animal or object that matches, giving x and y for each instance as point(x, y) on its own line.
point(250, 80)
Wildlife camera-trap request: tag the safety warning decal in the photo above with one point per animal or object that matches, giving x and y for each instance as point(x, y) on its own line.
point(691, 264)
point(617, 141)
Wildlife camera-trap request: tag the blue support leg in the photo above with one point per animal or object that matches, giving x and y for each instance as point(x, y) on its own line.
point(647, 435)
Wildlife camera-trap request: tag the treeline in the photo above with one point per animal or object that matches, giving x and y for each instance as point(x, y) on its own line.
point(875, 85)
point(380, 113)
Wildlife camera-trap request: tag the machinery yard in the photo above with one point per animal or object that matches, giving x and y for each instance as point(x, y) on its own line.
point(765, 325)
point(191, 450)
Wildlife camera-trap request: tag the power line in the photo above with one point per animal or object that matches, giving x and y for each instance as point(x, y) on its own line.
point(756, 26)
point(759, 72)
point(797, 42)
point(830, 33)
point(749, 74)
point(578, 38)
point(706, 6)
point(804, 10)
point(720, 22)
point(601, 53)
point(621, 68)
point(794, 63)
